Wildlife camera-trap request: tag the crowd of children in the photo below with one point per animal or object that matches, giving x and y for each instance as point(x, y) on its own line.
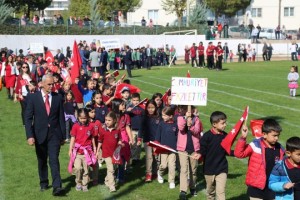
point(108, 123)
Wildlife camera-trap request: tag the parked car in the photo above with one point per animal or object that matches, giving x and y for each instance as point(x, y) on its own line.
point(267, 33)
point(236, 32)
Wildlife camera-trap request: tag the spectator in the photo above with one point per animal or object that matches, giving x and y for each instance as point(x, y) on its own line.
point(293, 50)
point(220, 28)
point(86, 21)
point(143, 22)
point(42, 20)
point(24, 20)
point(277, 32)
point(254, 35)
point(150, 23)
point(265, 51)
point(71, 21)
point(35, 19)
point(79, 22)
point(69, 52)
point(259, 29)
point(270, 52)
point(59, 56)
point(60, 19)
point(54, 20)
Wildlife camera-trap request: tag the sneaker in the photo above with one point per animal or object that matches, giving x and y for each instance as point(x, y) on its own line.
point(78, 187)
point(160, 179)
point(193, 192)
point(85, 188)
point(148, 178)
point(172, 185)
point(182, 195)
point(112, 189)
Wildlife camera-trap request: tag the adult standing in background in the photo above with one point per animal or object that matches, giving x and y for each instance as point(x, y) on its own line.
point(94, 59)
point(265, 51)
point(46, 129)
point(201, 50)
point(149, 52)
point(193, 51)
point(186, 54)
point(225, 52)
point(270, 51)
point(59, 56)
point(277, 32)
point(143, 22)
point(103, 61)
point(259, 29)
point(128, 61)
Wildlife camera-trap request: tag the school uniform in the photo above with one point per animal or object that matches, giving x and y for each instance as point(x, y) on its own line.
point(201, 55)
point(69, 107)
point(86, 93)
point(109, 140)
point(77, 95)
point(167, 135)
point(210, 56)
point(101, 111)
point(83, 136)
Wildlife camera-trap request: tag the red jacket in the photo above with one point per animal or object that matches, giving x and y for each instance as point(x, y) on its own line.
point(256, 173)
point(200, 50)
point(193, 51)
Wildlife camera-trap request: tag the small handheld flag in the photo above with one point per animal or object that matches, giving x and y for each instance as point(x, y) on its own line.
point(116, 159)
point(256, 127)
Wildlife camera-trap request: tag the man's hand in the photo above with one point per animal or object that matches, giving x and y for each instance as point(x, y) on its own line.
point(31, 141)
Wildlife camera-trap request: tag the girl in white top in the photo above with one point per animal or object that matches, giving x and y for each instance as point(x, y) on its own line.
point(293, 77)
point(249, 52)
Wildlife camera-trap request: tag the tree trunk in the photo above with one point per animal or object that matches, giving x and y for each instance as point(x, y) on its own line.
point(179, 18)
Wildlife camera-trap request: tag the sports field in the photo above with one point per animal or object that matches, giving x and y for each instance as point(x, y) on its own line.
point(261, 85)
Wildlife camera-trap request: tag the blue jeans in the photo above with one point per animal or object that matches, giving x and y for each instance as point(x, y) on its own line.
point(121, 170)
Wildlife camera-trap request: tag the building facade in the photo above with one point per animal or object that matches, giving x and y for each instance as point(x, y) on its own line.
point(56, 7)
point(266, 14)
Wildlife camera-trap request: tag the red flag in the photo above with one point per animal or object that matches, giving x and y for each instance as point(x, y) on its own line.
point(116, 159)
point(49, 57)
point(123, 86)
point(116, 73)
point(95, 75)
point(24, 82)
point(76, 62)
point(256, 128)
point(229, 139)
point(53, 68)
point(188, 75)
point(143, 103)
point(159, 148)
point(165, 96)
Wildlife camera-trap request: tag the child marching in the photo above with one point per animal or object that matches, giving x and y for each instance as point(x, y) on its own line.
point(293, 77)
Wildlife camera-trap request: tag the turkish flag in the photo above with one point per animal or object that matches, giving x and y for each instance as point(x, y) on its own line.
point(165, 96)
point(256, 127)
point(159, 148)
point(53, 68)
point(122, 86)
point(227, 142)
point(143, 103)
point(76, 62)
point(24, 82)
point(49, 57)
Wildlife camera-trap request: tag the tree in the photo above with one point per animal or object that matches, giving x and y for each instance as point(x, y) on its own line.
point(29, 5)
point(5, 11)
point(227, 7)
point(94, 9)
point(198, 15)
point(79, 8)
point(109, 7)
point(175, 6)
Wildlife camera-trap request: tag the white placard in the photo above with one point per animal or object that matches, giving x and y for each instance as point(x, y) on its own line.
point(111, 44)
point(36, 48)
point(189, 91)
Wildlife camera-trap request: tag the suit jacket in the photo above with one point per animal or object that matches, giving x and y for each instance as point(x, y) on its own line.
point(60, 57)
point(37, 122)
point(128, 58)
point(103, 58)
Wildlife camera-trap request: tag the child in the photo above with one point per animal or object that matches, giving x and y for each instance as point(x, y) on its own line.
point(100, 108)
point(253, 55)
point(107, 95)
point(157, 98)
point(57, 82)
point(293, 77)
point(109, 139)
point(188, 144)
point(148, 133)
point(77, 93)
point(97, 130)
point(231, 56)
point(285, 176)
point(82, 141)
point(70, 107)
point(263, 153)
point(215, 164)
point(167, 135)
point(118, 107)
point(86, 92)
point(135, 113)
point(125, 92)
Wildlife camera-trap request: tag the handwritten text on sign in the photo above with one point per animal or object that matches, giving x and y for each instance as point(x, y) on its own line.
point(189, 91)
point(111, 43)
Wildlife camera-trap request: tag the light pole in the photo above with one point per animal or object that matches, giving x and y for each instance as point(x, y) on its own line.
point(279, 13)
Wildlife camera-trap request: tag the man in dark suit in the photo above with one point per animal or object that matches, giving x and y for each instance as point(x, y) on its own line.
point(46, 129)
point(149, 52)
point(103, 61)
point(128, 60)
point(59, 56)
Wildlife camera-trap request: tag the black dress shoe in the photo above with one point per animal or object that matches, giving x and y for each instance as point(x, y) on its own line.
point(43, 188)
point(59, 192)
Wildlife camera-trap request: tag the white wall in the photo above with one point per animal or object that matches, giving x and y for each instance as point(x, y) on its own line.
point(16, 42)
point(163, 17)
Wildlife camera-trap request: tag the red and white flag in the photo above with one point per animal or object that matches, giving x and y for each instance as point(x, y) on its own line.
point(121, 87)
point(188, 75)
point(76, 62)
point(159, 148)
point(165, 96)
point(256, 127)
point(229, 139)
point(143, 103)
point(49, 59)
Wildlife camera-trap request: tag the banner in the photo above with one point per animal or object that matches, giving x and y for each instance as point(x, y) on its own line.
point(36, 48)
point(111, 44)
point(189, 91)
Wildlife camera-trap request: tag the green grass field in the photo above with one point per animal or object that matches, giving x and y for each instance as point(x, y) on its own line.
point(261, 85)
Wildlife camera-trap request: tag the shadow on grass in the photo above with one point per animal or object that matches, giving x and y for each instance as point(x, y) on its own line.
point(277, 118)
point(240, 197)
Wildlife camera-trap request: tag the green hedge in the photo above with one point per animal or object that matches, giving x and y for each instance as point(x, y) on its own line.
point(75, 30)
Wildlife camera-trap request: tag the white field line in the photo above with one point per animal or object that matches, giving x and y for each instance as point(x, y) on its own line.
point(237, 87)
point(225, 105)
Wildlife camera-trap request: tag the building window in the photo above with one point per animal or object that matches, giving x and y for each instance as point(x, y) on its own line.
point(153, 14)
point(288, 11)
point(256, 12)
